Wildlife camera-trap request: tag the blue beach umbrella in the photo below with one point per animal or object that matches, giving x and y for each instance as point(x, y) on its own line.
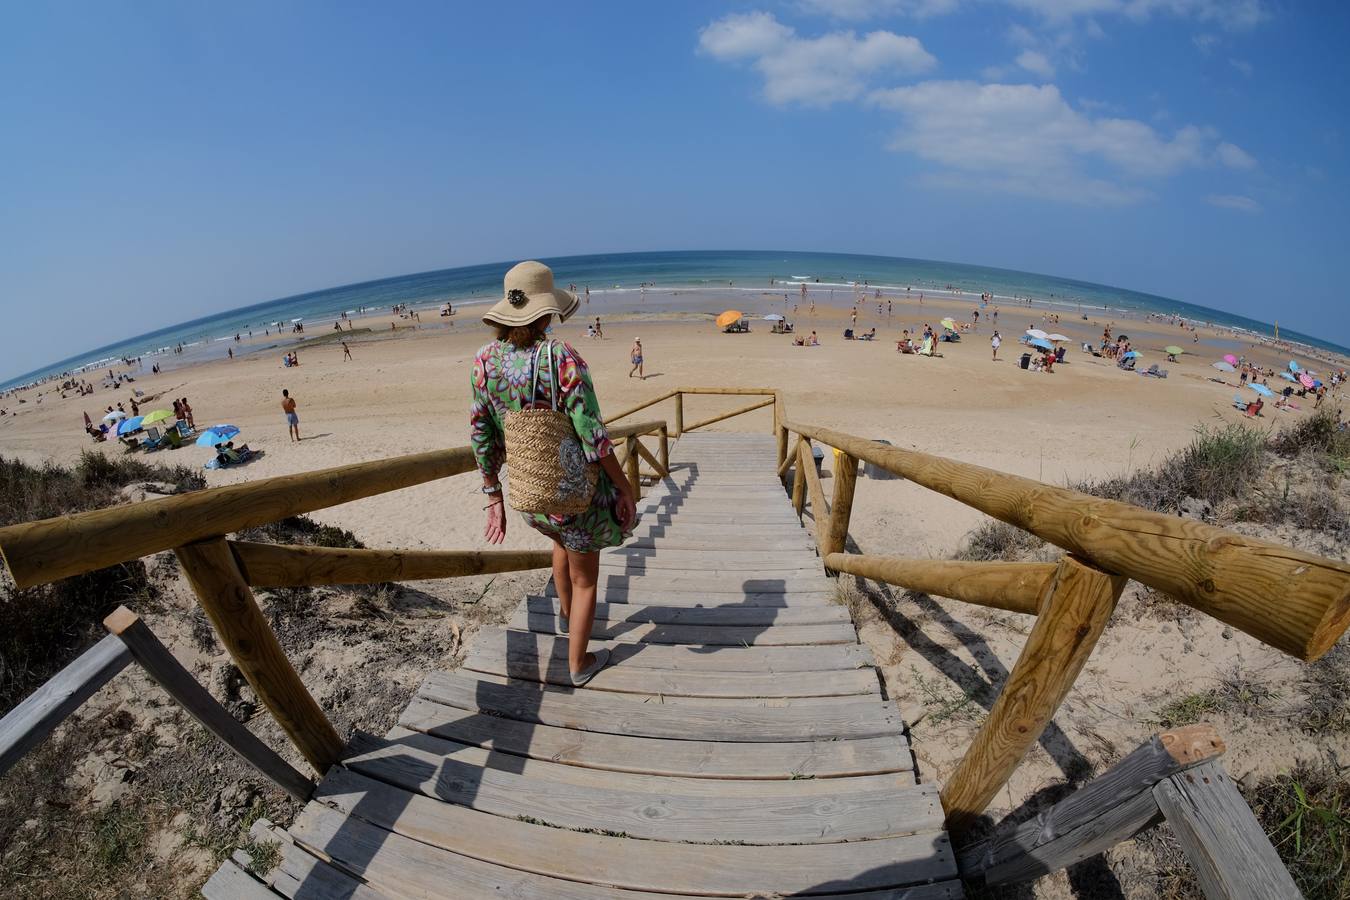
point(1293, 367)
point(1287, 377)
point(1227, 367)
point(129, 425)
point(1132, 354)
point(1041, 343)
point(216, 434)
point(1261, 389)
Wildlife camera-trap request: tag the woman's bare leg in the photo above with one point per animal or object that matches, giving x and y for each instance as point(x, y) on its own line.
point(562, 579)
point(584, 569)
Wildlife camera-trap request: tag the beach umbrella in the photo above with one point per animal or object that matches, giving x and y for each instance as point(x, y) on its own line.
point(1133, 354)
point(114, 416)
point(1174, 349)
point(1287, 377)
point(730, 317)
point(1058, 337)
point(129, 425)
point(216, 434)
point(158, 415)
point(301, 319)
point(1041, 343)
point(1306, 380)
point(1230, 359)
point(948, 323)
point(1293, 367)
point(1227, 367)
point(773, 317)
point(1037, 333)
point(1261, 389)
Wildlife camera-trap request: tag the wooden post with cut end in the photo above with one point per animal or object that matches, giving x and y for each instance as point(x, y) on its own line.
point(845, 478)
point(782, 446)
point(214, 574)
point(631, 462)
point(665, 450)
point(789, 459)
point(660, 470)
point(1014, 586)
point(679, 413)
point(1111, 808)
point(1077, 603)
point(820, 513)
point(179, 684)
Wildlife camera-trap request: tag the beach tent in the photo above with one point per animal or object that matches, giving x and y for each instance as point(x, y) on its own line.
point(1227, 367)
point(1037, 333)
point(1261, 389)
point(1174, 350)
point(730, 317)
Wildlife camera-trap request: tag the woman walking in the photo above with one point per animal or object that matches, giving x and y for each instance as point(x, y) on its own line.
point(523, 370)
point(635, 357)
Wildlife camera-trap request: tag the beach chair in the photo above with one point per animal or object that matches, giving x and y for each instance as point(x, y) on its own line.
point(153, 439)
point(184, 429)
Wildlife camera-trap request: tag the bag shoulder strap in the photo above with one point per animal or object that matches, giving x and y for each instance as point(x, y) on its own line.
point(553, 378)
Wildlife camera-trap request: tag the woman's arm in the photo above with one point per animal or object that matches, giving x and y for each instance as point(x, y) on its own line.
point(489, 451)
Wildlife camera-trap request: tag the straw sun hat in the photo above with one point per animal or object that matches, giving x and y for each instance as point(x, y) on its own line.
point(529, 294)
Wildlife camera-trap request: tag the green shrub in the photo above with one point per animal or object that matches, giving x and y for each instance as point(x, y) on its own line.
point(1319, 432)
point(1218, 464)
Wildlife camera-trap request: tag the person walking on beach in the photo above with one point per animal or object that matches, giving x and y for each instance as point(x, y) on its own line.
point(523, 369)
point(346, 352)
point(599, 332)
point(635, 356)
point(995, 342)
point(292, 419)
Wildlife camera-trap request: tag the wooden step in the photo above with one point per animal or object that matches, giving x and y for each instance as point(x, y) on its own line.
point(648, 807)
point(714, 582)
point(726, 870)
point(632, 679)
point(675, 657)
point(731, 614)
point(699, 635)
point(643, 594)
point(689, 540)
point(692, 758)
point(628, 714)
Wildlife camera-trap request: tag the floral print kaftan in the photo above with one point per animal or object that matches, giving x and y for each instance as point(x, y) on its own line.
point(501, 383)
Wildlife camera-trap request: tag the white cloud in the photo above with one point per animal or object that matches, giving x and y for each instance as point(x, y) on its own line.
point(858, 10)
point(1234, 157)
point(1231, 14)
point(1233, 201)
point(1205, 42)
point(812, 71)
point(1023, 138)
point(1021, 36)
point(1242, 66)
point(1036, 63)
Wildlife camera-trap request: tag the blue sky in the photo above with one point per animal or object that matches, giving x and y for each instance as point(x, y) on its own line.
point(162, 161)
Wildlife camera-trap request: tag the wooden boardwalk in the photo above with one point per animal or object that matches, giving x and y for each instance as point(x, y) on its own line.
point(737, 746)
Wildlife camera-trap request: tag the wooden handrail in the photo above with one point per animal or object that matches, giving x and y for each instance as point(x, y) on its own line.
point(288, 565)
point(1016, 587)
point(610, 420)
point(735, 412)
point(806, 468)
point(1239, 580)
point(50, 549)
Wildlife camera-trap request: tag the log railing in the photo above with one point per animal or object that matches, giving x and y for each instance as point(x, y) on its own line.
point(224, 572)
point(1289, 599)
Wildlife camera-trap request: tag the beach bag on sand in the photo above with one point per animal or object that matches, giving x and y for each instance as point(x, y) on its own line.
point(549, 472)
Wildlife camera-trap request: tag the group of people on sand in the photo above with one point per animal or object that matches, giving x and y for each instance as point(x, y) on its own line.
point(289, 360)
point(922, 343)
point(806, 340)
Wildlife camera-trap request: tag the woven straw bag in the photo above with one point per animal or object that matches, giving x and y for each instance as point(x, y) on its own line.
point(549, 472)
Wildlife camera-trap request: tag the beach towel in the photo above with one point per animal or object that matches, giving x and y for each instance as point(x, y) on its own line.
point(927, 346)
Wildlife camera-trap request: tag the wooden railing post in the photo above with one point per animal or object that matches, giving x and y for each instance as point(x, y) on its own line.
point(845, 477)
point(631, 462)
point(679, 413)
point(665, 449)
point(799, 476)
point(1077, 603)
point(214, 574)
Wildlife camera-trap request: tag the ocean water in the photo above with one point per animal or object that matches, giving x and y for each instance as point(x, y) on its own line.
point(614, 283)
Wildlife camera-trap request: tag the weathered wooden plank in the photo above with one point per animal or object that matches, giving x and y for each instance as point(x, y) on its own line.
point(703, 635)
point(710, 614)
point(695, 658)
point(705, 582)
point(1224, 843)
point(610, 713)
point(1014, 586)
point(668, 683)
point(680, 758)
point(232, 883)
point(303, 877)
point(689, 540)
point(636, 562)
point(429, 750)
point(1107, 810)
point(26, 725)
point(710, 869)
point(639, 594)
point(179, 684)
point(649, 807)
point(280, 565)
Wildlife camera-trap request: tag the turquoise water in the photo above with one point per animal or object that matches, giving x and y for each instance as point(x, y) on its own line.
point(614, 278)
